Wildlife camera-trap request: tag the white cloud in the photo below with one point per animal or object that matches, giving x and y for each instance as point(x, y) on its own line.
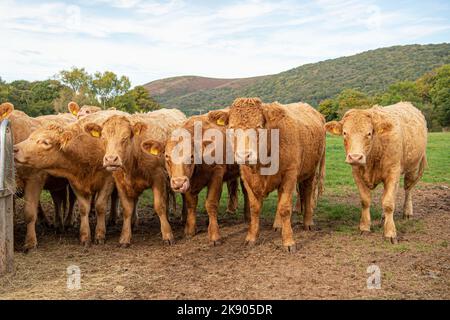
point(149, 39)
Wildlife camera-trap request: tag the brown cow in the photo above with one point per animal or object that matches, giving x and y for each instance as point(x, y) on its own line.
point(184, 180)
point(133, 170)
point(71, 153)
point(30, 181)
point(381, 144)
point(301, 158)
point(85, 110)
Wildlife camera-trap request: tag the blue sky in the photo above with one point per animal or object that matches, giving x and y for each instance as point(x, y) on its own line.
point(149, 40)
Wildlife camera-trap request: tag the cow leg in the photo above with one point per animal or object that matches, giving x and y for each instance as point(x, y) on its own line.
point(59, 198)
point(246, 202)
point(191, 205)
point(284, 208)
point(298, 205)
point(388, 204)
point(411, 179)
point(211, 205)
point(113, 213)
point(307, 196)
point(135, 216)
point(84, 204)
point(255, 210)
point(183, 209)
point(365, 197)
point(32, 193)
point(101, 205)
point(232, 187)
point(69, 218)
point(159, 202)
point(127, 212)
point(277, 224)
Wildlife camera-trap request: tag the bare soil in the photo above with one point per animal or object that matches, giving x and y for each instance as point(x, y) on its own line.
point(329, 264)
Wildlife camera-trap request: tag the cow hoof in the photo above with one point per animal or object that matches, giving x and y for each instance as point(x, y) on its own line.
point(309, 227)
point(291, 248)
point(124, 245)
point(169, 242)
point(365, 233)
point(100, 241)
point(393, 240)
point(250, 243)
point(28, 248)
point(276, 229)
point(86, 243)
point(406, 217)
point(215, 243)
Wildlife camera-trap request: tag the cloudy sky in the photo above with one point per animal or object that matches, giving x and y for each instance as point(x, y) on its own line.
point(149, 40)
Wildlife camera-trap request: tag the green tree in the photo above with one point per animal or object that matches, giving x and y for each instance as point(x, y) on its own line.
point(108, 86)
point(76, 79)
point(401, 91)
point(352, 99)
point(329, 108)
point(136, 100)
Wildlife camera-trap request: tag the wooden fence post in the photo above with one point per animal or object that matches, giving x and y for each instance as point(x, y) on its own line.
point(7, 190)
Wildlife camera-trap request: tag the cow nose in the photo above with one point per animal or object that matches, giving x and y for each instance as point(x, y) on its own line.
point(15, 149)
point(355, 158)
point(111, 160)
point(179, 183)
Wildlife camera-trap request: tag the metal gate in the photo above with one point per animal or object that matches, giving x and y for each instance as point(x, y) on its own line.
point(7, 190)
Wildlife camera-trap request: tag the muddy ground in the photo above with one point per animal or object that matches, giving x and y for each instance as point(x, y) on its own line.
point(330, 262)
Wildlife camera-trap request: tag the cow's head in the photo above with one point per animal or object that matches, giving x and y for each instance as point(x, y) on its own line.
point(116, 133)
point(245, 114)
point(5, 110)
point(42, 148)
point(359, 129)
point(78, 112)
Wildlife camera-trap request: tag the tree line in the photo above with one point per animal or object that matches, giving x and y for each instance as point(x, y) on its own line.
point(104, 89)
point(430, 93)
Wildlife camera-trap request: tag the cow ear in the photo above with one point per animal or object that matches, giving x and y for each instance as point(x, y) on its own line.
point(5, 110)
point(334, 127)
point(73, 107)
point(383, 127)
point(273, 113)
point(219, 117)
point(138, 128)
point(381, 124)
point(64, 138)
point(152, 147)
point(93, 129)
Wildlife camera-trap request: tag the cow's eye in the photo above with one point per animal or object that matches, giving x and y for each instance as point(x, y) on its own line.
point(369, 134)
point(345, 133)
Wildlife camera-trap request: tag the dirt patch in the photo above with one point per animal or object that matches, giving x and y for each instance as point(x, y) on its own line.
point(329, 263)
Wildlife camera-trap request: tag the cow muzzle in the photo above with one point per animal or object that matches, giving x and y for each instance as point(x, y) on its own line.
point(18, 155)
point(112, 162)
point(180, 184)
point(248, 157)
point(356, 159)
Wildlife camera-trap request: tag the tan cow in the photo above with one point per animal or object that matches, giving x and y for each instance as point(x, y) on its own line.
point(381, 144)
point(133, 170)
point(85, 110)
point(301, 158)
point(184, 180)
point(71, 153)
point(31, 181)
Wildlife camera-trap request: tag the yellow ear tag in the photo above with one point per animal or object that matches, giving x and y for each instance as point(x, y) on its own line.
point(380, 131)
point(95, 133)
point(154, 151)
point(220, 122)
point(74, 112)
point(336, 131)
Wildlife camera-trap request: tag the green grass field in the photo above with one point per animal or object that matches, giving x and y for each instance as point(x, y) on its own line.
point(339, 182)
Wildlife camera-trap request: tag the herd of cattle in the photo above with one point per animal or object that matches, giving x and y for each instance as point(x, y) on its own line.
point(97, 157)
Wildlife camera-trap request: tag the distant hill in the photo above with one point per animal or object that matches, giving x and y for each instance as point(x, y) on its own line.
point(371, 72)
